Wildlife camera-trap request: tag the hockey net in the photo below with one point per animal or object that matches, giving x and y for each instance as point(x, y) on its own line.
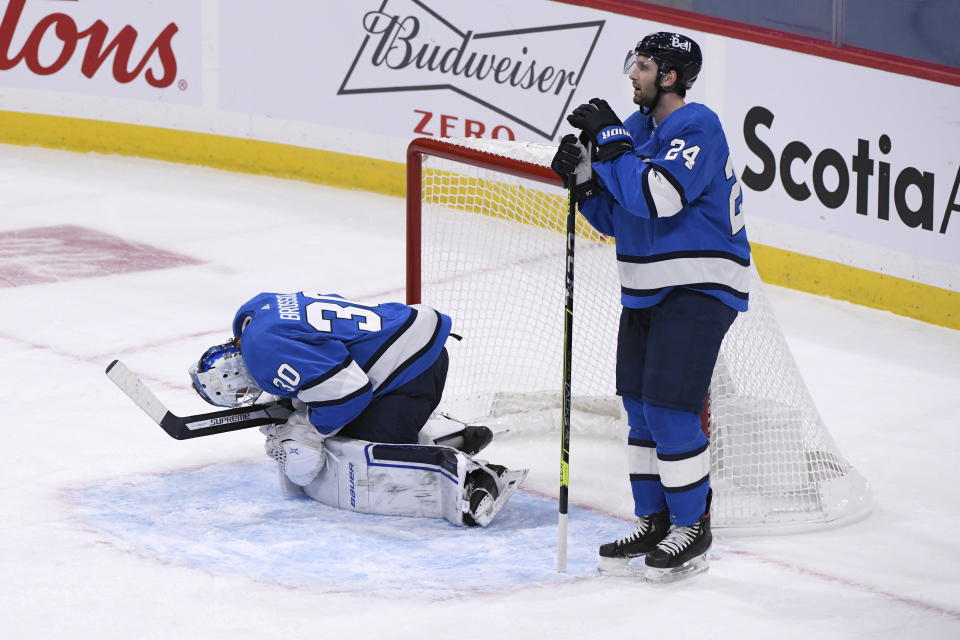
point(486, 244)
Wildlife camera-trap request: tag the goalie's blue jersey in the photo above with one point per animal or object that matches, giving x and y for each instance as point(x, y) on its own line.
point(674, 207)
point(334, 354)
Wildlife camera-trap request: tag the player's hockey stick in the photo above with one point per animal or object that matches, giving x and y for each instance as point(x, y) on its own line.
point(567, 361)
point(202, 424)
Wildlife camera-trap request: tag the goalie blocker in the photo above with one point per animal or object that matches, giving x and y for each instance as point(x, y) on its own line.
point(410, 480)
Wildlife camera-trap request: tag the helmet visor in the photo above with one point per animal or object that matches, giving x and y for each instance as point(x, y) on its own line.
point(635, 58)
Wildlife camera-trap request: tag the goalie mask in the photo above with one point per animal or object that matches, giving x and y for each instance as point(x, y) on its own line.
point(222, 379)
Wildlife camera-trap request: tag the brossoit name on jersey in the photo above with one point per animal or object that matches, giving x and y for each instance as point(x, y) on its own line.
point(287, 306)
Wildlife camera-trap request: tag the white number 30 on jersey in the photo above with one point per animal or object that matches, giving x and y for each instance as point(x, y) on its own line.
point(366, 318)
point(689, 154)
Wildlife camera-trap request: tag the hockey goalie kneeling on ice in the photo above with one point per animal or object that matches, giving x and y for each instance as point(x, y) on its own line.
point(364, 382)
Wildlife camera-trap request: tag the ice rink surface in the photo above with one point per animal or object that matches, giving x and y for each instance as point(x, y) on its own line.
point(111, 529)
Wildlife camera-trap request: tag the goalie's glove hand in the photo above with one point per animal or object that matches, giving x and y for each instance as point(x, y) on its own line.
point(602, 126)
point(298, 448)
point(572, 163)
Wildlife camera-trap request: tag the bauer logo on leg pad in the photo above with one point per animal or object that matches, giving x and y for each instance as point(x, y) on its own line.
point(353, 485)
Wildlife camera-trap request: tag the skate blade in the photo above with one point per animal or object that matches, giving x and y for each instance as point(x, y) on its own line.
point(620, 567)
point(511, 481)
point(688, 569)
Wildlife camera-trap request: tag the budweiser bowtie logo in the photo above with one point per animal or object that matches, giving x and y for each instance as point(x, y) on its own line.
point(60, 38)
point(528, 75)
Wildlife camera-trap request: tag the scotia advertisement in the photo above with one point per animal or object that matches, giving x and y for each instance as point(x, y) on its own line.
point(862, 155)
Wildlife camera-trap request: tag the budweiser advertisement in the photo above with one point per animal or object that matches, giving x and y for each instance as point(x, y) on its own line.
point(414, 67)
point(140, 50)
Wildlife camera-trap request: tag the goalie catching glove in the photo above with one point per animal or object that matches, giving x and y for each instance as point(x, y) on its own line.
point(297, 448)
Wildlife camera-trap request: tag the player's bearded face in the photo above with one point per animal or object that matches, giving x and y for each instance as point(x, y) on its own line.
point(643, 77)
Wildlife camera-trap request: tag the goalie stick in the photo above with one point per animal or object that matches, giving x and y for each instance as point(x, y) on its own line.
point(196, 426)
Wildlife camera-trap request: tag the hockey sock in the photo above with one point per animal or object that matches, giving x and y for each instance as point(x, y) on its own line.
point(683, 460)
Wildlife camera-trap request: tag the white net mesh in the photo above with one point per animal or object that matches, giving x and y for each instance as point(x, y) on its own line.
point(493, 252)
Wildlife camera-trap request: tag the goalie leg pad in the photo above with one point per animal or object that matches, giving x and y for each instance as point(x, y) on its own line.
point(404, 480)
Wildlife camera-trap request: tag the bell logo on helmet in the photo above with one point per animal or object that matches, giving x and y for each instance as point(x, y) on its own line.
point(679, 43)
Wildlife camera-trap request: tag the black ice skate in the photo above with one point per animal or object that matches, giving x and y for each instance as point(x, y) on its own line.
point(615, 556)
point(445, 431)
point(487, 489)
point(682, 553)
point(475, 439)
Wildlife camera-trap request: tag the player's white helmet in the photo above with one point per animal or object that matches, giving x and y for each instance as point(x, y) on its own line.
point(222, 379)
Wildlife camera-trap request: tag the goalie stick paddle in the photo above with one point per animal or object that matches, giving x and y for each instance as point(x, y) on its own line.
point(196, 426)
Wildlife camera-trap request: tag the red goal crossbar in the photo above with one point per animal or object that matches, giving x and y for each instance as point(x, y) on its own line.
point(420, 147)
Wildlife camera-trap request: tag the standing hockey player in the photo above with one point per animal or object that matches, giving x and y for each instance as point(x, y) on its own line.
point(662, 183)
point(364, 381)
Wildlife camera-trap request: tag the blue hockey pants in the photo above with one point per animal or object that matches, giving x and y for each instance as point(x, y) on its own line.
point(665, 359)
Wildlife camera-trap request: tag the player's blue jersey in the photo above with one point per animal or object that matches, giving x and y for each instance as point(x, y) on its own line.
point(674, 207)
point(333, 354)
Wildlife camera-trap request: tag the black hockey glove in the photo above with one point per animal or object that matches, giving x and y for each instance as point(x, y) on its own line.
point(572, 164)
point(602, 126)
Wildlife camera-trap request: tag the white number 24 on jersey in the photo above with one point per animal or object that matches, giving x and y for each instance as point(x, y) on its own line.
point(689, 154)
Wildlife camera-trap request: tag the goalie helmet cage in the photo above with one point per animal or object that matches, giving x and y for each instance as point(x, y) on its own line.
point(485, 244)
